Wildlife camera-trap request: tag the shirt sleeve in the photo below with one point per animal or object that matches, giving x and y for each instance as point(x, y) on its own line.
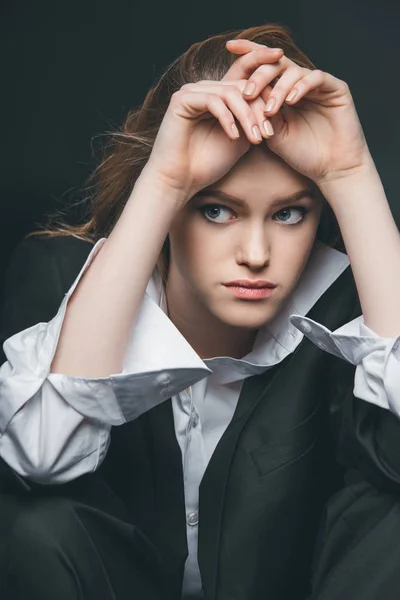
point(55, 427)
point(377, 359)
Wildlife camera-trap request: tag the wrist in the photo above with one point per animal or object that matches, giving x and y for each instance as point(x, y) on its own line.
point(337, 186)
point(347, 195)
point(338, 178)
point(175, 195)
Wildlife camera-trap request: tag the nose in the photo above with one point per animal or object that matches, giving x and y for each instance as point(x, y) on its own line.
point(254, 248)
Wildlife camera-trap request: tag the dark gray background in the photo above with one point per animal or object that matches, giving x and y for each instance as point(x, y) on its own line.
point(71, 70)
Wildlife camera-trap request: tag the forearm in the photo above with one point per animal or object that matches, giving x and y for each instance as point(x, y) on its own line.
point(104, 306)
point(372, 242)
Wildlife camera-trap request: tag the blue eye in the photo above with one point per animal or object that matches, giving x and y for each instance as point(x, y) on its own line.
point(216, 213)
point(299, 209)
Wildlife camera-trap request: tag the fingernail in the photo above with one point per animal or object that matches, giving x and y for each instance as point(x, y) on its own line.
point(291, 96)
point(235, 130)
point(250, 88)
point(270, 105)
point(269, 130)
point(256, 133)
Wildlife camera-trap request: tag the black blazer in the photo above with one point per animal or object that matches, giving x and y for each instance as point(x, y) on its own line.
point(296, 434)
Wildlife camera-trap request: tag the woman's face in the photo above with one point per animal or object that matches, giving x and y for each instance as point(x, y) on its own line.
point(242, 228)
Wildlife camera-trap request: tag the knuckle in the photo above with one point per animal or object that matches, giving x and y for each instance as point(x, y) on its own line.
point(231, 90)
point(186, 86)
point(176, 97)
point(261, 51)
point(345, 85)
point(211, 99)
point(248, 113)
point(262, 69)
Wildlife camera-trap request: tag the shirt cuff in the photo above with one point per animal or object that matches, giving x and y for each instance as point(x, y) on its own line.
point(377, 374)
point(158, 364)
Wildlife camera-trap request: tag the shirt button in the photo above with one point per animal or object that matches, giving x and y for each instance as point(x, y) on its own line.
point(321, 345)
point(163, 379)
point(306, 327)
point(192, 518)
point(194, 419)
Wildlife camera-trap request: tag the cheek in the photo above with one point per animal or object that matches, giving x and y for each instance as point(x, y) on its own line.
point(193, 250)
point(295, 256)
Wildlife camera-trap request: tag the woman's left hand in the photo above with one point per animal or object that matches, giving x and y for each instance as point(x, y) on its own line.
point(318, 133)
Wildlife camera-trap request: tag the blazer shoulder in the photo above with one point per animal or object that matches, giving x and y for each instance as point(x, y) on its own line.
point(68, 254)
point(38, 274)
point(37, 258)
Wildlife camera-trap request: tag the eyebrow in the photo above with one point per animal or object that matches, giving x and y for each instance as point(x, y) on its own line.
point(219, 194)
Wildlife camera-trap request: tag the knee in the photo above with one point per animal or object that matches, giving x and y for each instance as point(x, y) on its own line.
point(39, 534)
point(42, 526)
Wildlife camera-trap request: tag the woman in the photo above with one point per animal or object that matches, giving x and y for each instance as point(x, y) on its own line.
point(183, 327)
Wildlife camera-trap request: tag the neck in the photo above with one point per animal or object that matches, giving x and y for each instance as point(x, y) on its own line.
point(207, 335)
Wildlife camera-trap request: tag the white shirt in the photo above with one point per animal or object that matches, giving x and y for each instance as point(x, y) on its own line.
point(55, 427)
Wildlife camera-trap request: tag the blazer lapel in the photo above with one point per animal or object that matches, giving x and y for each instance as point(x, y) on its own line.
point(213, 484)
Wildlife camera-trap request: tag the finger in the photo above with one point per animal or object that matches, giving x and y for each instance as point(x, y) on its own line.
point(245, 65)
point(196, 104)
point(276, 97)
point(242, 46)
point(262, 77)
point(232, 96)
point(264, 124)
point(217, 86)
point(316, 81)
point(278, 73)
point(288, 84)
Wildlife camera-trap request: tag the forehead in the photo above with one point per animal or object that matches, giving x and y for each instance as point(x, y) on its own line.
point(260, 170)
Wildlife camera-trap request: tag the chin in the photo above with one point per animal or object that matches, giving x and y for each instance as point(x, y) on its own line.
point(248, 315)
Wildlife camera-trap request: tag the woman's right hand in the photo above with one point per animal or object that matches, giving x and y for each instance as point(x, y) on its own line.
point(199, 141)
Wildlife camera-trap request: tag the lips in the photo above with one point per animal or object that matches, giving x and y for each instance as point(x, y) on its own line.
point(253, 284)
point(250, 290)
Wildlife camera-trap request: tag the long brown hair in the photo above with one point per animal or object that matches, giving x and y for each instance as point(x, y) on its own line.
point(127, 150)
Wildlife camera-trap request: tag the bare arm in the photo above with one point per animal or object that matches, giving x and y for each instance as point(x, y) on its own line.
point(105, 304)
point(372, 243)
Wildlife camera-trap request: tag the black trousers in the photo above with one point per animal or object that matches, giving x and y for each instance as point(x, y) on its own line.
point(357, 555)
point(83, 546)
point(79, 545)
